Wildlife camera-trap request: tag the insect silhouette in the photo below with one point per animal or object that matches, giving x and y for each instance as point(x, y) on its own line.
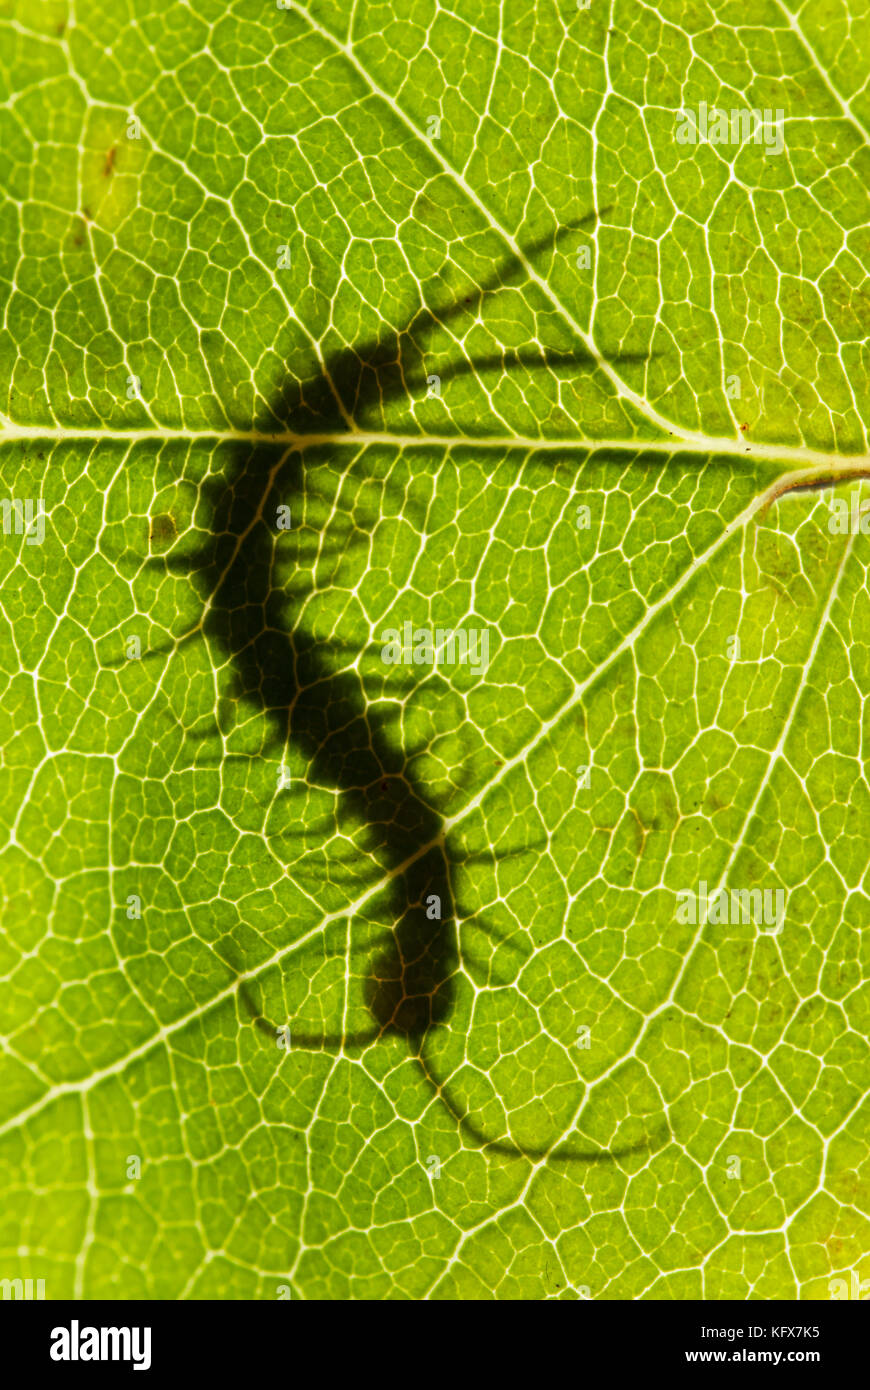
point(309, 694)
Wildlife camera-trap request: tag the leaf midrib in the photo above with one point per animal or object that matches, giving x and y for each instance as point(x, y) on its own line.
point(814, 461)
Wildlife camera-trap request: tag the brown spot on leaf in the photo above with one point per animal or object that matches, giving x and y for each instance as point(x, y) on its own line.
point(110, 162)
point(162, 527)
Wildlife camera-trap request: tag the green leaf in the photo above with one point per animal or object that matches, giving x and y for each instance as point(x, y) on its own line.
point(317, 323)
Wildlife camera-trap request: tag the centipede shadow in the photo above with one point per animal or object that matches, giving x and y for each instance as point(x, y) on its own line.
point(310, 693)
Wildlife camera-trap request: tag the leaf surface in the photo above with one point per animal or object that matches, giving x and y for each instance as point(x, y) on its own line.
point(443, 283)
